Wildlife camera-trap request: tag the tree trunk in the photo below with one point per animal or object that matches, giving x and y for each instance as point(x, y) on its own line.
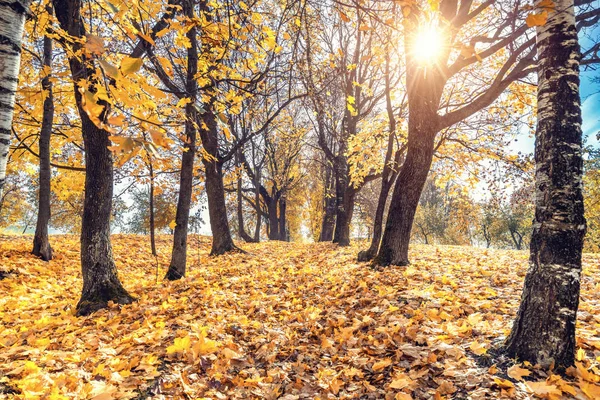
point(344, 203)
point(182, 215)
point(389, 172)
point(273, 220)
point(258, 210)
point(240, 212)
point(12, 22)
point(100, 281)
point(544, 329)
point(282, 220)
point(329, 201)
point(217, 210)
point(41, 244)
point(152, 225)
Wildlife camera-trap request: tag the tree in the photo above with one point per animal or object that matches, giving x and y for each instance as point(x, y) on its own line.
point(12, 22)
point(177, 265)
point(41, 244)
point(427, 77)
point(544, 328)
point(101, 283)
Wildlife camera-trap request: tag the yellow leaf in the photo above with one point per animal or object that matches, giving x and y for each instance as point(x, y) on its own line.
point(379, 365)
point(580, 354)
point(180, 345)
point(504, 383)
point(159, 138)
point(538, 19)
point(110, 70)
point(517, 372)
point(590, 390)
point(477, 348)
point(543, 389)
point(116, 120)
point(402, 396)
point(401, 381)
point(130, 65)
point(286, 36)
point(205, 346)
point(94, 44)
point(172, 224)
point(343, 16)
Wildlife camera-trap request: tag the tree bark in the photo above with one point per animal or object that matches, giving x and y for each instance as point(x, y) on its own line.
point(41, 243)
point(282, 220)
point(179, 253)
point(12, 23)
point(271, 202)
point(344, 203)
point(100, 280)
point(389, 173)
point(217, 210)
point(151, 211)
point(544, 329)
point(257, 205)
point(329, 201)
point(240, 211)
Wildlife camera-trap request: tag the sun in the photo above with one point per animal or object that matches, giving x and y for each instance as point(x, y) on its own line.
point(428, 44)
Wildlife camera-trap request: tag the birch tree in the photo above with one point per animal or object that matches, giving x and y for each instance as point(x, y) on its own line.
point(12, 22)
point(544, 329)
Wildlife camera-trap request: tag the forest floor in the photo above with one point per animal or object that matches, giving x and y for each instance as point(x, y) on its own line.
point(284, 321)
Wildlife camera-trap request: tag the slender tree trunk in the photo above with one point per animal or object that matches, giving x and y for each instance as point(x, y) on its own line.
point(240, 211)
point(329, 201)
point(12, 22)
point(179, 253)
point(389, 173)
point(258, 211)
point(217, 210)
point(544, 329)
point(100, 280)
point(282, 220)
point(152, 224)
point(41, 244)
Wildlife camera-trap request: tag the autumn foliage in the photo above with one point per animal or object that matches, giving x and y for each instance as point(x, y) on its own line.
point(284, 320)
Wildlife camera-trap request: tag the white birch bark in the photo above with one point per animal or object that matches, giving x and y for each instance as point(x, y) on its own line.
point(12, 22)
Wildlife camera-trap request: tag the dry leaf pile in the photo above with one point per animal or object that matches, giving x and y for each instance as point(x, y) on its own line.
point(284, 321)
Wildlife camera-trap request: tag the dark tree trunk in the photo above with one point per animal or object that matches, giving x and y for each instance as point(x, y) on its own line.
point(182, 215)
point(517, 239)
point(344, 203)
point(329, 201)
point(389, 173)
point(425, 86)
point(100, 281)
point(258, 210)
point(152, 224)
point(240, 212)
point(217, 210)
point(41, 244)
point(544, 329)
point(271, 202)
point(283, 235)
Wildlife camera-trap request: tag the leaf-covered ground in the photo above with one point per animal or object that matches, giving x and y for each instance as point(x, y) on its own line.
point(287, 321)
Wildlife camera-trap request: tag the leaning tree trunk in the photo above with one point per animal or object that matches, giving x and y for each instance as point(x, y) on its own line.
point(544, 329)
point(215, 191)
point(100, 281)
point(182, 215)
point(41, 244)
point(12, 22)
